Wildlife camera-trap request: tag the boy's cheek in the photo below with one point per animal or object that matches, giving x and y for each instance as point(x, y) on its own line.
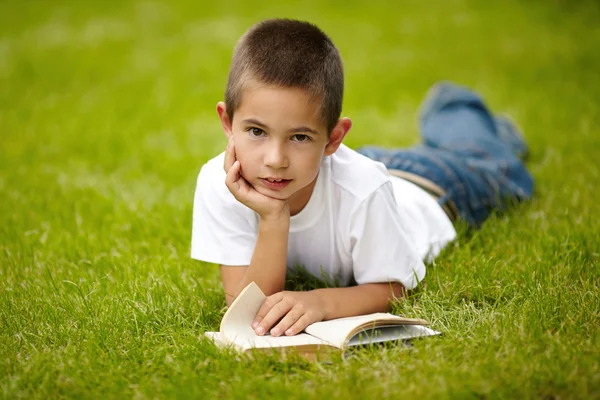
point(246, 168)
point(243, 154)
point(244, 162)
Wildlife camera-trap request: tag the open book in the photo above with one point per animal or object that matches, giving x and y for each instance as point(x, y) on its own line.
point(236, 330)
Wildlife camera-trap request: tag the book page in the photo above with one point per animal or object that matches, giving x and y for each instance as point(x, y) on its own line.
point(237, 321)
point(338, 331)
point(217, 338)
point(267, 341)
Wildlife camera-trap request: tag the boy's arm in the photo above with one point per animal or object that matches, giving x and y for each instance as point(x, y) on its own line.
point(358, 300)
point(231, 276)
point(297, 310)
point(268, 263)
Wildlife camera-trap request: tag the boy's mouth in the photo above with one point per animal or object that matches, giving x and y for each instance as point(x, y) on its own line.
point(275, 183)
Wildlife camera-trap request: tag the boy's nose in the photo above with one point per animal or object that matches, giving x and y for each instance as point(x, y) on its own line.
point(276, 157)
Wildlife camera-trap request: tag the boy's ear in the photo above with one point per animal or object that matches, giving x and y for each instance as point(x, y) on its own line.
point(225, 122)
point(337, 135)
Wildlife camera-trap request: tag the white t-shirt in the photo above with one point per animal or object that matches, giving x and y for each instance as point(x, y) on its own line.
point(359, 224)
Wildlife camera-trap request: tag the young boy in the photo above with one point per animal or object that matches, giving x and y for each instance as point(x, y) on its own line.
point(286, 192)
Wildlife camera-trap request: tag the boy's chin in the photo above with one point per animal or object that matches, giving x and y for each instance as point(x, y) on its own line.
point(273, 194)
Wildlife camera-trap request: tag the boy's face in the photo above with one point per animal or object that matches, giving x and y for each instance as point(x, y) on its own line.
point(280, 141)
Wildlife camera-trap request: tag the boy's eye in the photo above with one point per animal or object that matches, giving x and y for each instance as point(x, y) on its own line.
point(256, 132)
point(301, 138)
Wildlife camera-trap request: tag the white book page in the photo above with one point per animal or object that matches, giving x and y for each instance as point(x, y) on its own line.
point(245, 343)
point(218, 338)
point(300, 339)
point(237, 321)
point(337, 330)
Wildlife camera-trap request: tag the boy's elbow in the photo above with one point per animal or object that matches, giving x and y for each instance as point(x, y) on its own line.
point(389, 292)
point(398, 290)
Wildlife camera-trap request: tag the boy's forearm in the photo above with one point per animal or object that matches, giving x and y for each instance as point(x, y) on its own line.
point(269, 260)
point(359, 300)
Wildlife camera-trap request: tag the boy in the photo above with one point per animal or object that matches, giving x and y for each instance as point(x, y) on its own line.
point(286, 192)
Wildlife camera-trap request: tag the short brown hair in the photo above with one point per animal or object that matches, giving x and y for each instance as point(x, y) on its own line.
point(288, 53)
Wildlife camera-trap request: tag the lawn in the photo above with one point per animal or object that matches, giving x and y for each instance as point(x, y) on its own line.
point(107, 113)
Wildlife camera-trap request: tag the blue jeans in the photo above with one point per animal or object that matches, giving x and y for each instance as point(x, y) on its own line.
point(471, 154)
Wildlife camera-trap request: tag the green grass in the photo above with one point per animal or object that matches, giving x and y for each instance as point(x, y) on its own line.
point(107, 114)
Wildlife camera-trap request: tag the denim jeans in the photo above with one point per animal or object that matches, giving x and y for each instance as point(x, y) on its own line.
point(470, 153)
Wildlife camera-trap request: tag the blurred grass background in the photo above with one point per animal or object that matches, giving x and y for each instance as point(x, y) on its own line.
point(107, 112)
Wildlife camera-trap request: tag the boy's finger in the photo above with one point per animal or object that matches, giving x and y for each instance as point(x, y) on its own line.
point(275, 314)
point(299, 325)
point(265, 308)
point(267, 305)
point(237, 185)
point(289, 320)
point(233, 176)
point(229, 155)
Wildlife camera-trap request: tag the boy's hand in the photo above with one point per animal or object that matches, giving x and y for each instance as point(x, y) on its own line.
point(264, 206)
point(293, 310)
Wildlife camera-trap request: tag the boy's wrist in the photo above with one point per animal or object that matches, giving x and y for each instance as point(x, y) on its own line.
point(326, 301)
point(280, 220)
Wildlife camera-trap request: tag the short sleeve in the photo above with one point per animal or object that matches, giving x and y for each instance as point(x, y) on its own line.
point(381, 248)
point(223, 230)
